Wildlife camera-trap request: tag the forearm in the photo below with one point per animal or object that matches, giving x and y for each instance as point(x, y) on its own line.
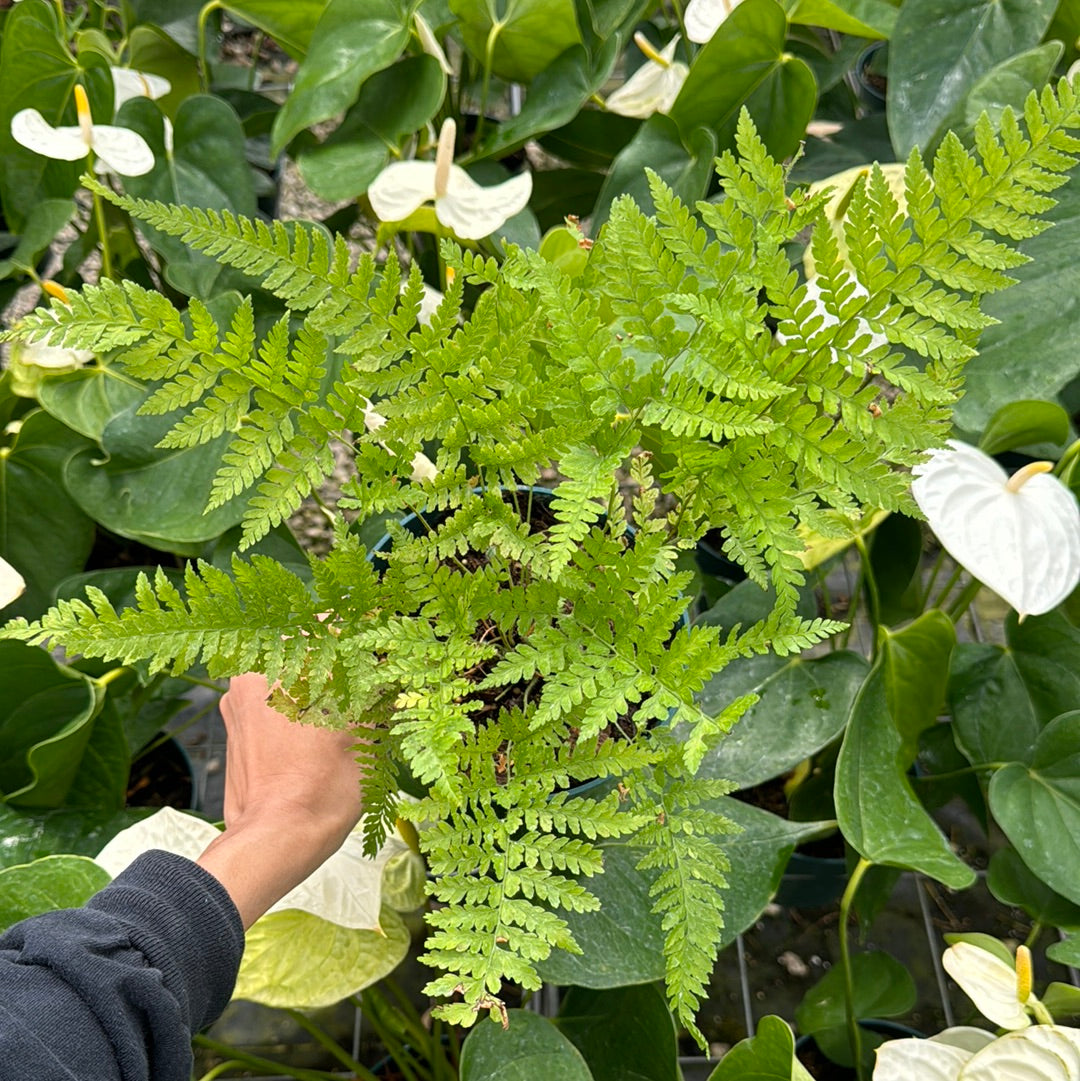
point(260, 860)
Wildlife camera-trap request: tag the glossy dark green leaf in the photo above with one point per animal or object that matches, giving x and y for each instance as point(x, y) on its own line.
point(746, 63)
point(393, 103)
point(1065, 952)
point(43, 222)
point(530, 1047)
point(553, 99)
point(768, 1055)
point(623, 1035)
point(804, 704)
point(151, 49)
point(1007, 85)
point(883, 988)
point(353, 40)
point(896, 549)
point(1032, 679)
point(207, 168)
point(156, 496)
point(862, 18)
point(940, 49)
point(28, 835)
point(622, 943)
point(560, 192)
point(685, 167)
point(522, 38)
point(878, 813)
point(1037, 804)
point(87, 399)
point(1061, 999)
point(38, 72)
point(1024, 423)
point(101, 783)
point(1010, 880)
point(915, 662)
point(53, 882)
point(605, 17)
point(47, 716)
point(1031, 353)
point(289, 22)
point(44, 533)
point(592, 139)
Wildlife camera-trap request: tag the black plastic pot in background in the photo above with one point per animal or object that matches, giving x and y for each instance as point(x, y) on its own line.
point(162, 777)
point(808, 1053)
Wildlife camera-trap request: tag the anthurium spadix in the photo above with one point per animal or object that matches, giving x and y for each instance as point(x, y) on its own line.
point(655, 85)
point(114, 149)
point(703, 17)
point(1019, 535)
point(1000, 991)
point(12, 583)
point(470, 209)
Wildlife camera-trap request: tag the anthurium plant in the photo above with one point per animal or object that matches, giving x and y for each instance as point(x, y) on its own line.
point(513, 648)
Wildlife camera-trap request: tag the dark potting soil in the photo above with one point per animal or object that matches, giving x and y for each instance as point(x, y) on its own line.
point(160, 778)
point(517, 695)
point(770, 796)
point(822, 1067)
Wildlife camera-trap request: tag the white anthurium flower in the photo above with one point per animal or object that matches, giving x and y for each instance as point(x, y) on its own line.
point(1019, 535)
point(703, 17)
point(345, 890)
point(815, 296)
point(1000, 991)
point(423, 468)
point(430, 43)
point(12, 583)
point(41, 355)
point(471, 210)
point(927, 1060)
point(128, 84)
point(655, 85)
point(117, 150)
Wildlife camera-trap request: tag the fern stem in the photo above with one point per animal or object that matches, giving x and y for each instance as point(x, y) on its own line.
point(854, 1032)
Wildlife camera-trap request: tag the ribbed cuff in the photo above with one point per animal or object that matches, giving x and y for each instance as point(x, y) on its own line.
point(186, 925)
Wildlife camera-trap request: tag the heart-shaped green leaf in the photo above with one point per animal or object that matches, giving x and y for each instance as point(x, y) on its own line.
point(1037, 803)
point(746, 63)
point(877, 810)
point(768, 1055)
point(940, 49)
point(29, 889)
point(529, 1047)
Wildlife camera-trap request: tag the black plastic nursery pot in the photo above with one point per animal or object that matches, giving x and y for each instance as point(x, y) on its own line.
point(877, 1031)
point(162, 777)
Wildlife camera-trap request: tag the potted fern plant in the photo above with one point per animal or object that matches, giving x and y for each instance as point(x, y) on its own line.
point(503, 656)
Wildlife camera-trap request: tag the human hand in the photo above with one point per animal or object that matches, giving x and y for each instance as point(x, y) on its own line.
point(292, 795)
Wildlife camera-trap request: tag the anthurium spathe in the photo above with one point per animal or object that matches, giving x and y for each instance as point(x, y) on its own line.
point(12, 583)
point(1000, 991)
point(703, 17)
point(114, 149)
point(461, 204)
point(1019, 535)
point(129, 83)
point(655, 85)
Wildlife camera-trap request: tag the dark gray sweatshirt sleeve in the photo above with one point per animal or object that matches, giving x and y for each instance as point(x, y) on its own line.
point(113, 991)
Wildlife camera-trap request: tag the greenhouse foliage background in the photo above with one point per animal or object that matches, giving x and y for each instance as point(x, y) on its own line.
point(780, 309)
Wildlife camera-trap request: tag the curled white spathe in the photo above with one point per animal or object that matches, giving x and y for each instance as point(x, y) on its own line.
point(703, 17)
point(12, 583)
point(471, 210)
point(1024, 544)
point(655, 85)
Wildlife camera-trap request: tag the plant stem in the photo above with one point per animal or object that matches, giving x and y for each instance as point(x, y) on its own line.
point(924, 595)
point(854, 1032)
point(328, 1043)
point(963, 601)
point(263, 1065)
point(204, 69)
point(217, 1071)
point(962, 772)
point(948, 587)
point(1033, 934)
point(103, 236)
point(201, 682)
point(872, 595)
point(485, 86)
